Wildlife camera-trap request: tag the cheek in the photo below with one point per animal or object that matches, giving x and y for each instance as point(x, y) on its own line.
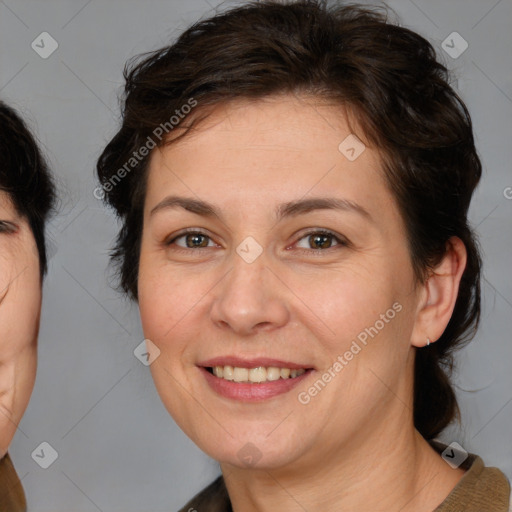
point(20, 305)
point(7, 271)
point(167, 305)
point(19, 324)
point(341, 303)
point(20, 314)
point(169, 300)
point(362, 325)
point(155, 296)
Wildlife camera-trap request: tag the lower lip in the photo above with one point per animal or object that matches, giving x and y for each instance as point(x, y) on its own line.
point(251, 392)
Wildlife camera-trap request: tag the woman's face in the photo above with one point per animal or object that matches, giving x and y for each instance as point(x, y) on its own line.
point(296, 259)
point(20, 307)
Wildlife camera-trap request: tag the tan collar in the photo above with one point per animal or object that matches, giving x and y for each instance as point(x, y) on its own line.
point(481, 488)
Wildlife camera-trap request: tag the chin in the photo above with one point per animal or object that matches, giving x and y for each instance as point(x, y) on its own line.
point(253, 451)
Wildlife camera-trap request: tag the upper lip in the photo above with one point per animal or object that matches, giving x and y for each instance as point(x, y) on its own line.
point(251, 363)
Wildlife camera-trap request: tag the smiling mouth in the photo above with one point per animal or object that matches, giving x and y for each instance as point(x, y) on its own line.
point(255, 375)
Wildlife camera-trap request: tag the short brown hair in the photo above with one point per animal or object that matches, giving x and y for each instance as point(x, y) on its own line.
point(387, 75)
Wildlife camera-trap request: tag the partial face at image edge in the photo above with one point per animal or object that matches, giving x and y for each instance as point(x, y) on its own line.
point(20, 307)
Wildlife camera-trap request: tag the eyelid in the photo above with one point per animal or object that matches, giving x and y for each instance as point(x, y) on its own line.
point(8, 227)
point(199, 231)
point(340, 239)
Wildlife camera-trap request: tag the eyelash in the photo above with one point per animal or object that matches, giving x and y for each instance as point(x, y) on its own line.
point(7, 227)
point(340, 241)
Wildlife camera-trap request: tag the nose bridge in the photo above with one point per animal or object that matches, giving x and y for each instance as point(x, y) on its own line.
point(250, 298)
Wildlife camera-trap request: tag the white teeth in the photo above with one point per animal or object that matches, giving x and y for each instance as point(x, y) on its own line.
point(273, 373)
point(284, 372)
point(240, 374)
point(255, 375)
point(258, 374)
point(227, 372)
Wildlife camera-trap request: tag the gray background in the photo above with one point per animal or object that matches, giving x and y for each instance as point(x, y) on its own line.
point(94, 402)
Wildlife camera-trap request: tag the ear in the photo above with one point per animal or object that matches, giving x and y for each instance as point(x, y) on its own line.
point(439, 294)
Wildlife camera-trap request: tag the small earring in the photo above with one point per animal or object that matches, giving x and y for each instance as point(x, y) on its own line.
point(428, 342)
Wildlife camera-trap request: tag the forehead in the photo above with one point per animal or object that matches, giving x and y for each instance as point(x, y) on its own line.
point(276, 148)
point(280, 121)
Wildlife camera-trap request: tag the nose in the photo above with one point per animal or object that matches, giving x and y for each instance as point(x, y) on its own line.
point(250, 299)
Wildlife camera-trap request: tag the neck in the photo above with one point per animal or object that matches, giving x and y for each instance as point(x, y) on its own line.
point(395, 470)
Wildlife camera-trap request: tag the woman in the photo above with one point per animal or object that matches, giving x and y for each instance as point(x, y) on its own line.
point(27, 197)
point(293, 182)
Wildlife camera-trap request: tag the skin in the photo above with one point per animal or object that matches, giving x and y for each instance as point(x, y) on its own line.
point(354, 443)
point(20, 307)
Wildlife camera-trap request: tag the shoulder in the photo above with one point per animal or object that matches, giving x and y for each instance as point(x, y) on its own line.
point(481, 488)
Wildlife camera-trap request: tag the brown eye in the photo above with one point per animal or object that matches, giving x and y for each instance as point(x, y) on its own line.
point(196, 240)
point(191, 240)
point(318, 240)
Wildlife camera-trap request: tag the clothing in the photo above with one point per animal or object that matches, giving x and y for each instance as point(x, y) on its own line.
point(481, 489)
point(12, 497)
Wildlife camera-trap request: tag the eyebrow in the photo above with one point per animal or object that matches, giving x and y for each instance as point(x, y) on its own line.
point(289, 209)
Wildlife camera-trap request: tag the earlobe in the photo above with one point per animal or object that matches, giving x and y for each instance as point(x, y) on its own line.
point(440, 295)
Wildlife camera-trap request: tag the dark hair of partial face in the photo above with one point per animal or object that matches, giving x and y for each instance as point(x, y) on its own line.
point(25, 177)
point(387, 76)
